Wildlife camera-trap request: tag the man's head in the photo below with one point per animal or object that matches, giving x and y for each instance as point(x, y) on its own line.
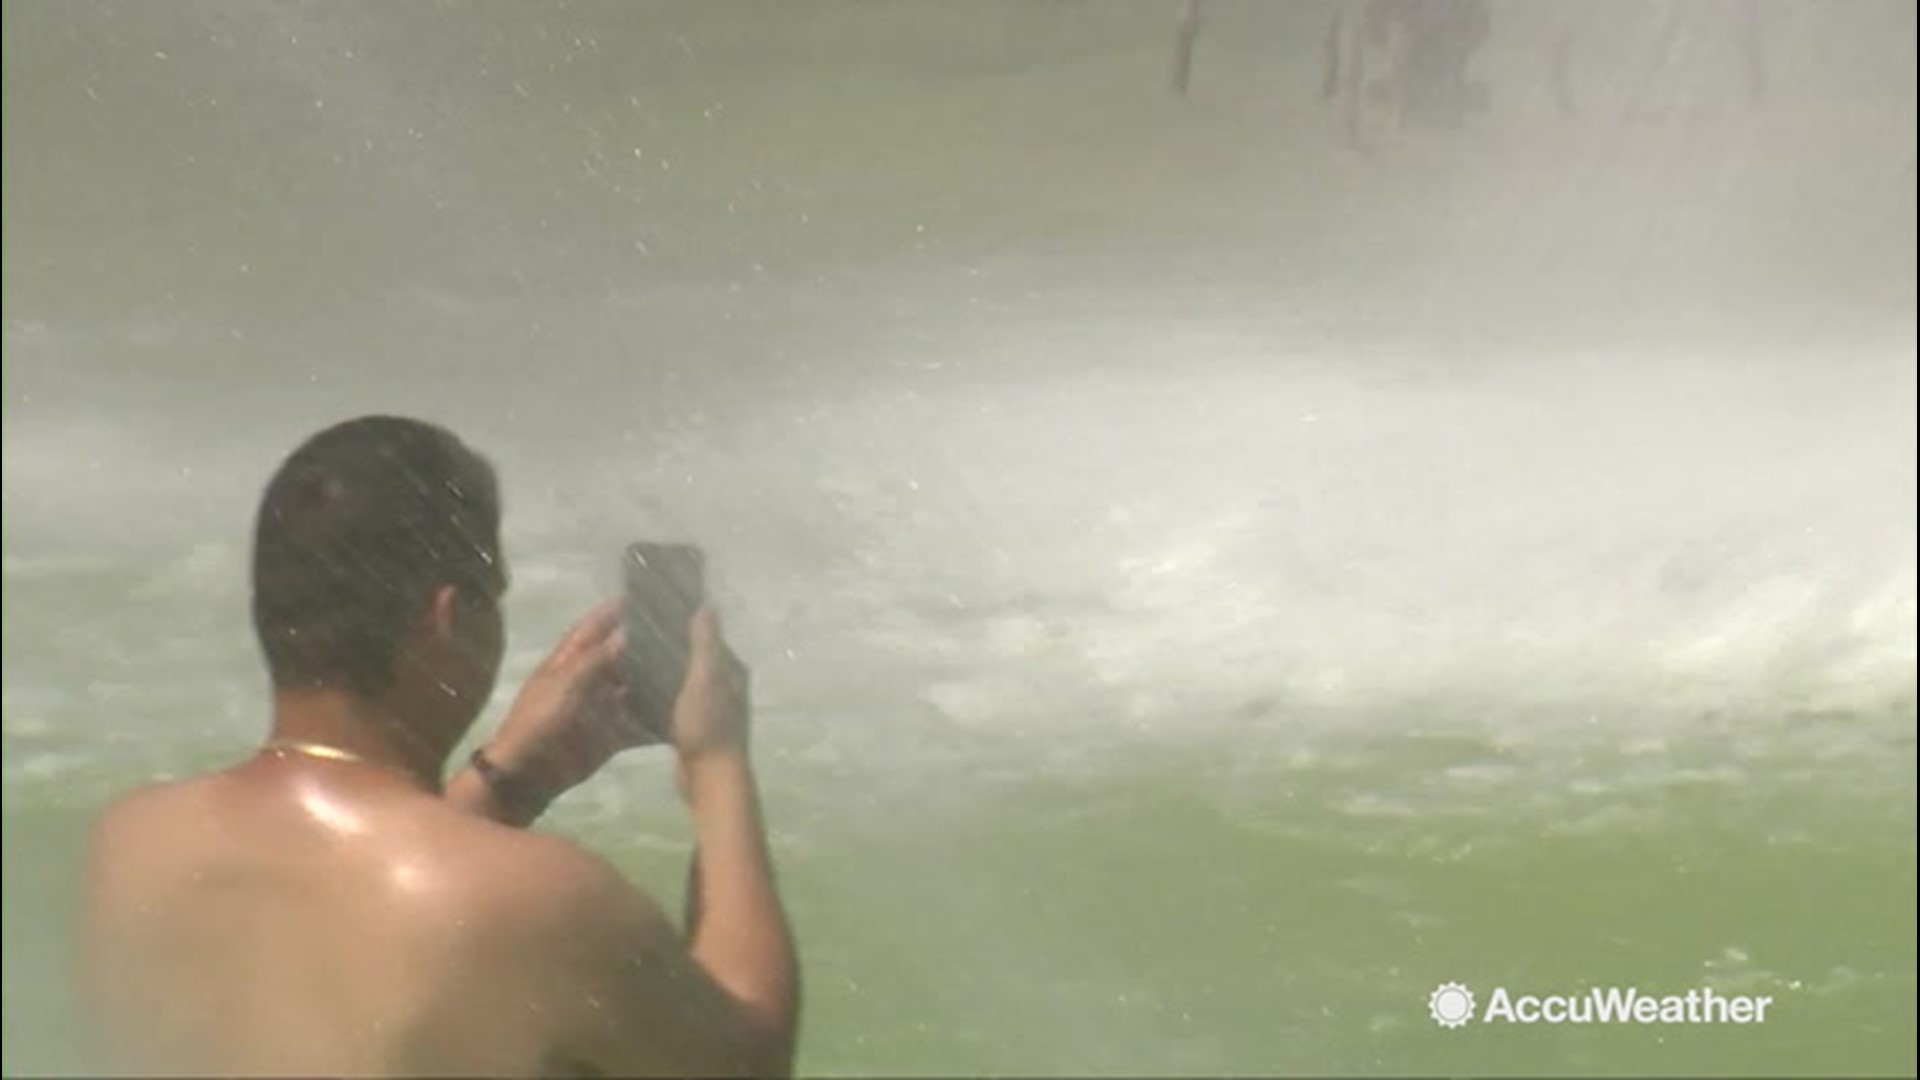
point(376, 562)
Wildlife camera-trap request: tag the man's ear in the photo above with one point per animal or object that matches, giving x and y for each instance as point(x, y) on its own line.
point(442, 611)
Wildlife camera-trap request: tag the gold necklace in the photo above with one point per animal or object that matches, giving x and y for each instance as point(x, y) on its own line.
point(286, 747)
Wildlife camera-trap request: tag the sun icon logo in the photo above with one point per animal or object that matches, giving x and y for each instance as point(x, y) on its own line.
point(1451, 1005)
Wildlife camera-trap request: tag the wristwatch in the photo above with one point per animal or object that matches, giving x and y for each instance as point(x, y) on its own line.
point(519, 796)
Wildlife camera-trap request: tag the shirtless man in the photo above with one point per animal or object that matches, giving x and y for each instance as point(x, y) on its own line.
point(328, 907)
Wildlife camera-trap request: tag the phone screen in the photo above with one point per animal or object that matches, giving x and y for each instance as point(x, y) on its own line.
point(665, 584)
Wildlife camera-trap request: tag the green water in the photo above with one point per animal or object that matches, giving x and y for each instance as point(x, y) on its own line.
point(1192, 914)
point(1207, 588)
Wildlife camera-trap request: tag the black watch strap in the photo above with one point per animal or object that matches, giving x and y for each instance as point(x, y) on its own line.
point(520, 797)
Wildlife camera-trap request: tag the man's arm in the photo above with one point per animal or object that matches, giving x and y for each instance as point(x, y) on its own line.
point(737, 929)
point(725, 998)
point(651, 1002)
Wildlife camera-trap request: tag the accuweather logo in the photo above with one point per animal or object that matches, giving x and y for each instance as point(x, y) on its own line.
point(1451, 1005)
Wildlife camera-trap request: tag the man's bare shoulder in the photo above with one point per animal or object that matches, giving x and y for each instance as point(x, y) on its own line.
point(134, 819)
point(146, 847)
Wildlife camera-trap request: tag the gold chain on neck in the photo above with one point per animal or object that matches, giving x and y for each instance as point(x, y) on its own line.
point(285, 747)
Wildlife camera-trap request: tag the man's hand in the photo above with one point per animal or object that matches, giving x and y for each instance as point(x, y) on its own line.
point(710, 716)
point(570, 716)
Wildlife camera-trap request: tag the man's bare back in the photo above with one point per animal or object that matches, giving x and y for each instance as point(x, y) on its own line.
point(294, 910)
point(326, 906)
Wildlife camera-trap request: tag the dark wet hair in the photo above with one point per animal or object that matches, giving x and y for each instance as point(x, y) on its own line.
point(356, 529)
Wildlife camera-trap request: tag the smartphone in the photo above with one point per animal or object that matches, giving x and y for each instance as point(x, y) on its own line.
point(665, 585)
